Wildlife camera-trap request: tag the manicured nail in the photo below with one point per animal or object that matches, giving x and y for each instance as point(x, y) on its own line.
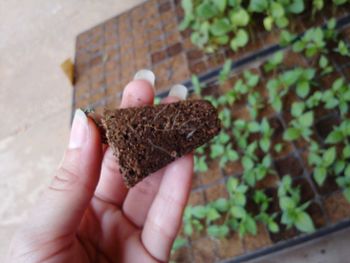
point(179, 91)
point(147, 75)
point(79, 130)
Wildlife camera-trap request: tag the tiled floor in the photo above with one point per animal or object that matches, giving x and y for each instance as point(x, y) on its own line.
point(35, 105)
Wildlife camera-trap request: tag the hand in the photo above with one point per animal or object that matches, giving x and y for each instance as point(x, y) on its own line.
point(87, 214)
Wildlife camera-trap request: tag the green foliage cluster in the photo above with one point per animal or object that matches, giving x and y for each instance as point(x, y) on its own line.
point(215, 23)
point(249, 141)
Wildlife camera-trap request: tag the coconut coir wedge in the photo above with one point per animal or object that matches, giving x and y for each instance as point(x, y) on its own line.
point(145, 139)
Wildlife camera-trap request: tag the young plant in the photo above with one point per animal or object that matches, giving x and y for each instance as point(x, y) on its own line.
point(339, 134)
point(293, 213)
point(321, 161)
point(197, 86)
point(274, 62)
point(301, 125)
point(325, 66)
point(343, 49)
point(263, 201)
point(238, 218)
point(344, 183)
point(225, 72)
point(338, 96)
point(312, 42)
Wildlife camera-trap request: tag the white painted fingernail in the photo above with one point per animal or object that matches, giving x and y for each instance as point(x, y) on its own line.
point(179, 91)
point(79, 132)
point(147, 75)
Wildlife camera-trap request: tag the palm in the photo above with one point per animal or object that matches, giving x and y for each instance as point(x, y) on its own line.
point(105, 235)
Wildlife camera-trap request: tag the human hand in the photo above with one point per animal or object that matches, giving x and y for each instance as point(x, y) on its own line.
point(88, 215)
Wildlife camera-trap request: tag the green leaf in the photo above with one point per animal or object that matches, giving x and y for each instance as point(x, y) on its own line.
point(196, 85)
point(303, 223)
point(277, 10)
point(232, 155)
point(218, 231)
point(273, 227)
point(212, 215)
point(238, 212)
point(250, 225)
point(232, 184)
point(220, 27)
point(303, 89)
point(329, 157)
point(199, 211)
point(221, 204)
point(179, 243)
point(307, 119)
point(268, 23)
point(206, 10)
point(188, 230)
point(247, 162)
point(347, 171)
point(286, 203)
point(296, 7)
point(291, 134)
point(239, 17)
point(220, 4)
point(278, 147)
point(286, 38)
point(334, 137)
point(258, 6)
point(240, 40)
point(320, 174)
point(298, 108)
point(253, 126)
point(265, 144)
point(216, 150)
point(346, 151)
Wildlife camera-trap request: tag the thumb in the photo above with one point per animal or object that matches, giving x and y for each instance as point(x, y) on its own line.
point(63, 204)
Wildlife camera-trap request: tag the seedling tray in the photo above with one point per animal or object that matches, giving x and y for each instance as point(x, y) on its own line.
point(329, 210)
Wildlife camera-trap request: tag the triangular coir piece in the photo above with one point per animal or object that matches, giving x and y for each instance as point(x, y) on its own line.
point(145, 139)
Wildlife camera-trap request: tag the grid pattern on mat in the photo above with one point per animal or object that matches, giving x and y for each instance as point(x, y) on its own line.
point(147, 36)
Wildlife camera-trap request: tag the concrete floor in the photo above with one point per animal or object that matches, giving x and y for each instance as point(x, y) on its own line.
point(35, 105)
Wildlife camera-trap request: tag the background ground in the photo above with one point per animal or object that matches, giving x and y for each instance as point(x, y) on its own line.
point(35, 105)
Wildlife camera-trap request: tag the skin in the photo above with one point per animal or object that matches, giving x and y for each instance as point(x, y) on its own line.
point(87, 215)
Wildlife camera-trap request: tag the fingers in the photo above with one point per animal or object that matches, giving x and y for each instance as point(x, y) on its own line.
point(62, 205)
point(140, 197)
point(111, 187)
point(164, 217)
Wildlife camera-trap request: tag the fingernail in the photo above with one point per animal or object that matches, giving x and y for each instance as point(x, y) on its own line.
point(79, 130)
point(147, 75)
point(179, 91)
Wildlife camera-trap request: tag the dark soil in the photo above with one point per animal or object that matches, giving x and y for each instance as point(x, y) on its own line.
point(145, 139)
point(284, 233)
point(315, 211)
point(274, 206)
point(306, 191)
point(183, 254)
point(329, 186)
point(289, 165)
point(213, 174)
point(325, 125)
point(229, 247)
point(215, 192)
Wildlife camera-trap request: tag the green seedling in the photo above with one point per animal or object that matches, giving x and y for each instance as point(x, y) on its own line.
point(178, 243)
point(301, 125)
point(197, 86)
point(312, 42)
point(293, 213)
point(338, 96)
point(225, 72)
point(339, 133)
point(286, 38)
point(321, 160)
point(343, 49)
point(325, 65)
point(263, 201)
point(274, 61)
point(317, 5)
point(200, 164)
